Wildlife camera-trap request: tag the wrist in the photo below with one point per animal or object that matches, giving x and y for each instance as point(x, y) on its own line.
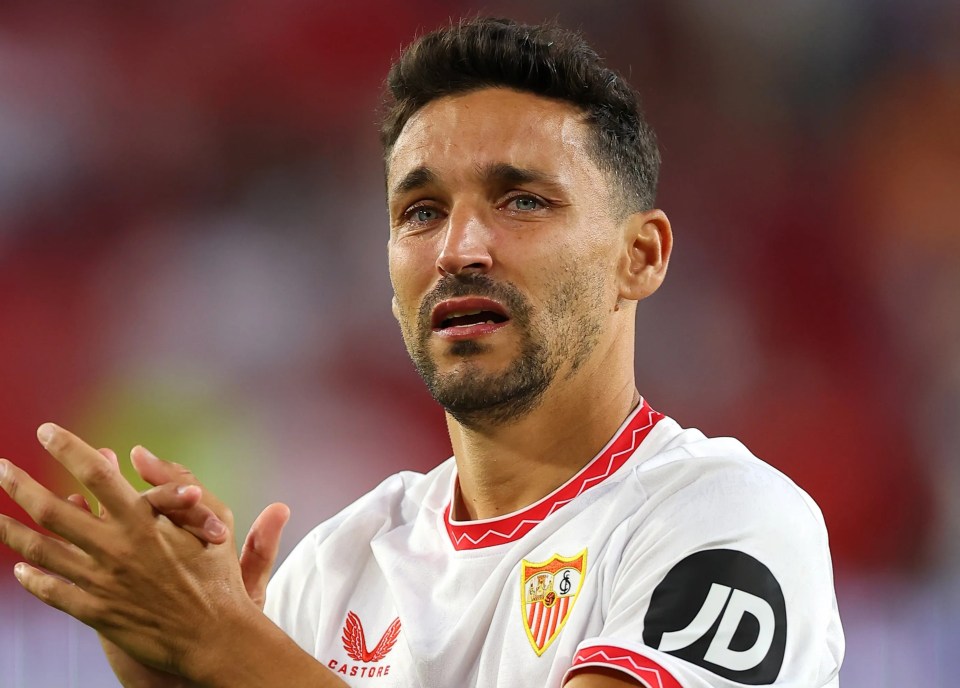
point(250, 651)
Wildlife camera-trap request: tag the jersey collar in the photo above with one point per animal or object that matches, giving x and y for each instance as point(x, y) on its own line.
point(466, 535)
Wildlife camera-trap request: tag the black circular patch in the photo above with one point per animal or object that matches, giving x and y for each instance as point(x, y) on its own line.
point(724, 611)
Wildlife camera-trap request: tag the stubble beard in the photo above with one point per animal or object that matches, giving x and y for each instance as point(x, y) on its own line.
point(478, 399)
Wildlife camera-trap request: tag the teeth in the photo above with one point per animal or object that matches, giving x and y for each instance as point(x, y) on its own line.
point(457, 314)
point(487, 322)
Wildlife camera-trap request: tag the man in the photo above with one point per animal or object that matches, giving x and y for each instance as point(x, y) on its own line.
point(577, 537)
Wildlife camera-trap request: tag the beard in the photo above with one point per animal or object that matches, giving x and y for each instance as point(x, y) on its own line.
point(476, 398)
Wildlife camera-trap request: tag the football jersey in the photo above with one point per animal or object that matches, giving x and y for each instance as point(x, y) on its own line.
point(677, 559)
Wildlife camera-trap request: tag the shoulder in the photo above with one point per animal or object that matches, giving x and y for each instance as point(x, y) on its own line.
point(395, 501)
point(711, 483)
point(714, 513)
point(720, 536)
point(345, 538)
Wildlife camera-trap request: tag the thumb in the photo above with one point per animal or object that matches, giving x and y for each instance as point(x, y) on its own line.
point(260, 550)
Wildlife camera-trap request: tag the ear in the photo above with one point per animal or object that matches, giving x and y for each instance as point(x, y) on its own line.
point(647, 242)
point(395, 308)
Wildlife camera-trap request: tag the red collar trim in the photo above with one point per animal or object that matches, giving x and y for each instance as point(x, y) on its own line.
point(466, 535)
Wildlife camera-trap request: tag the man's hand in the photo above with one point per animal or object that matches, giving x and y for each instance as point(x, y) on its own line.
point(147, 585)
point(178, 495)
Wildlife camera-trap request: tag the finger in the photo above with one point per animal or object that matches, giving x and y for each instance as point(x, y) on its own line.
point(49, 511)
point(182, 505)
point(112, 457)
point(90, 467)
point(157, 472)
point(44, 551)
point(79, 501)
point(53, 591)
point(260, 550)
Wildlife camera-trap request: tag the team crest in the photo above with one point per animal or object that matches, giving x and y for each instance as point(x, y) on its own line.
point(548, 590)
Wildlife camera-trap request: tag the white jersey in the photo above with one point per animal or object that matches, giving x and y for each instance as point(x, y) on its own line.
point(677, 559)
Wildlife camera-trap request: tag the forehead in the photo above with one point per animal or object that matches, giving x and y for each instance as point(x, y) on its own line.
point(457, 134)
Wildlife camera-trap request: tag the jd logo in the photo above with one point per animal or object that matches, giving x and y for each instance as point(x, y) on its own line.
point(722, 610)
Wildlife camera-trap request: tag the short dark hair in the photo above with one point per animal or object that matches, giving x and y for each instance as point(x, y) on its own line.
point(546, 60)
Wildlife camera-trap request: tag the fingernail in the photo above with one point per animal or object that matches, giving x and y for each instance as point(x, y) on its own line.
point(45, 433)
point(182, 490)
point(18, 571)
point(146, 452)
point(214, 527)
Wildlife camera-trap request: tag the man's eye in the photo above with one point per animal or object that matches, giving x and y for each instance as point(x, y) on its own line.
point(525, 203)
point(423, 214)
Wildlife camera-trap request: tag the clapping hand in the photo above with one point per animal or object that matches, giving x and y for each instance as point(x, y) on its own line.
point(156, 574)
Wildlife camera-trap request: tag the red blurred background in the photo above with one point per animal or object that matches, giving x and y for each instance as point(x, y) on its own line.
point(192, 257)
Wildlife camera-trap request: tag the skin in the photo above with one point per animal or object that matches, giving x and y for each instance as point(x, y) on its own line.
point(537, 236)
point(172, 610)
point(183, 607)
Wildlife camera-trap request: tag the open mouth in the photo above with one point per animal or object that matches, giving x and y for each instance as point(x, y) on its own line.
point(468, 315)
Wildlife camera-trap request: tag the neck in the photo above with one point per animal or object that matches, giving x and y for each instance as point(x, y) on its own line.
point(505, 468)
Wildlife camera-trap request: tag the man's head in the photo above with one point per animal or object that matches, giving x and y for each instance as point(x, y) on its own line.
point(515, 239)
point(544, 60)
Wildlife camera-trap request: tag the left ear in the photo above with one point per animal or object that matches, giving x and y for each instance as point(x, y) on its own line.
point(647, 242)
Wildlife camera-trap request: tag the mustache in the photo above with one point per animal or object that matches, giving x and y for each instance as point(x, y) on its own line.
point(452, 286)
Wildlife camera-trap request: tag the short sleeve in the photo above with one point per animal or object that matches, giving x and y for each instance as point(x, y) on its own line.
point(726, 581)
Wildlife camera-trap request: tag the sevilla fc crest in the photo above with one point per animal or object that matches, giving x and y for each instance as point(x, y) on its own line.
point(548, 590)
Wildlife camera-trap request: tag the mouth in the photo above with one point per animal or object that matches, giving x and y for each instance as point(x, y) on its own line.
point(468, 317)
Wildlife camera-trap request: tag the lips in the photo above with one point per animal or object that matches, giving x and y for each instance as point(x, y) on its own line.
point(466, 317)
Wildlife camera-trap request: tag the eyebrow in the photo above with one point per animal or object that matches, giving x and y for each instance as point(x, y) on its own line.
point(501, 172)
point(506, 173)
point(415, 179)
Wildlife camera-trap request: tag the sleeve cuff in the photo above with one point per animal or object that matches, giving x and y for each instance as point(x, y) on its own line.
point(642, 668)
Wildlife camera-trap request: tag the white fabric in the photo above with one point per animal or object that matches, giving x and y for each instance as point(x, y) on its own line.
point(462, 617)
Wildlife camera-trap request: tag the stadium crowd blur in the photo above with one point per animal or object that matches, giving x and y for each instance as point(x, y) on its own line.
point(192, 257)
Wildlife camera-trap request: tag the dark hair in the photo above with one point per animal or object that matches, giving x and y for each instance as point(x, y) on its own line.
point(545, 60)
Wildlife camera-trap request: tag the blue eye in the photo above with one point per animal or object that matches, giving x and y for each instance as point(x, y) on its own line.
point(423, 214)
point(526, 203)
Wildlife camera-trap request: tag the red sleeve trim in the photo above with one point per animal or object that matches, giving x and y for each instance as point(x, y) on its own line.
point(638, 666)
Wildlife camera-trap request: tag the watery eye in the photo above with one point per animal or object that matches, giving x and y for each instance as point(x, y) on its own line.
point(526, 203)
point(424, 214)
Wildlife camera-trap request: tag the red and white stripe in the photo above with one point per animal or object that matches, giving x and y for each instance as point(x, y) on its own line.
point(643, 668)
point(544, 621)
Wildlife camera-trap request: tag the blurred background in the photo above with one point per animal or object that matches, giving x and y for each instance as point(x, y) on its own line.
point(193, 257)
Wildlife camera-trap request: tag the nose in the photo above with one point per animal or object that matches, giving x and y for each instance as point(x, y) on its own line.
point(466, 244)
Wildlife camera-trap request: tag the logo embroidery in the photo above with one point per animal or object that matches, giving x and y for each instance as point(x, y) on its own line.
point(356, 645)
point(548, 590)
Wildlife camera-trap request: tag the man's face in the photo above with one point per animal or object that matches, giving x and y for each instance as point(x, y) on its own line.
point(503, 249)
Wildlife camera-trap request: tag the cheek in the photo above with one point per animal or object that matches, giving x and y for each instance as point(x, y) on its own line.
point(410, 275)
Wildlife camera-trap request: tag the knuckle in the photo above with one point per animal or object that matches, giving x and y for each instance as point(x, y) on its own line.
point(98, 473)
point(45, 514)
point(34, 551)
point(45, 589)
point(12, 481)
